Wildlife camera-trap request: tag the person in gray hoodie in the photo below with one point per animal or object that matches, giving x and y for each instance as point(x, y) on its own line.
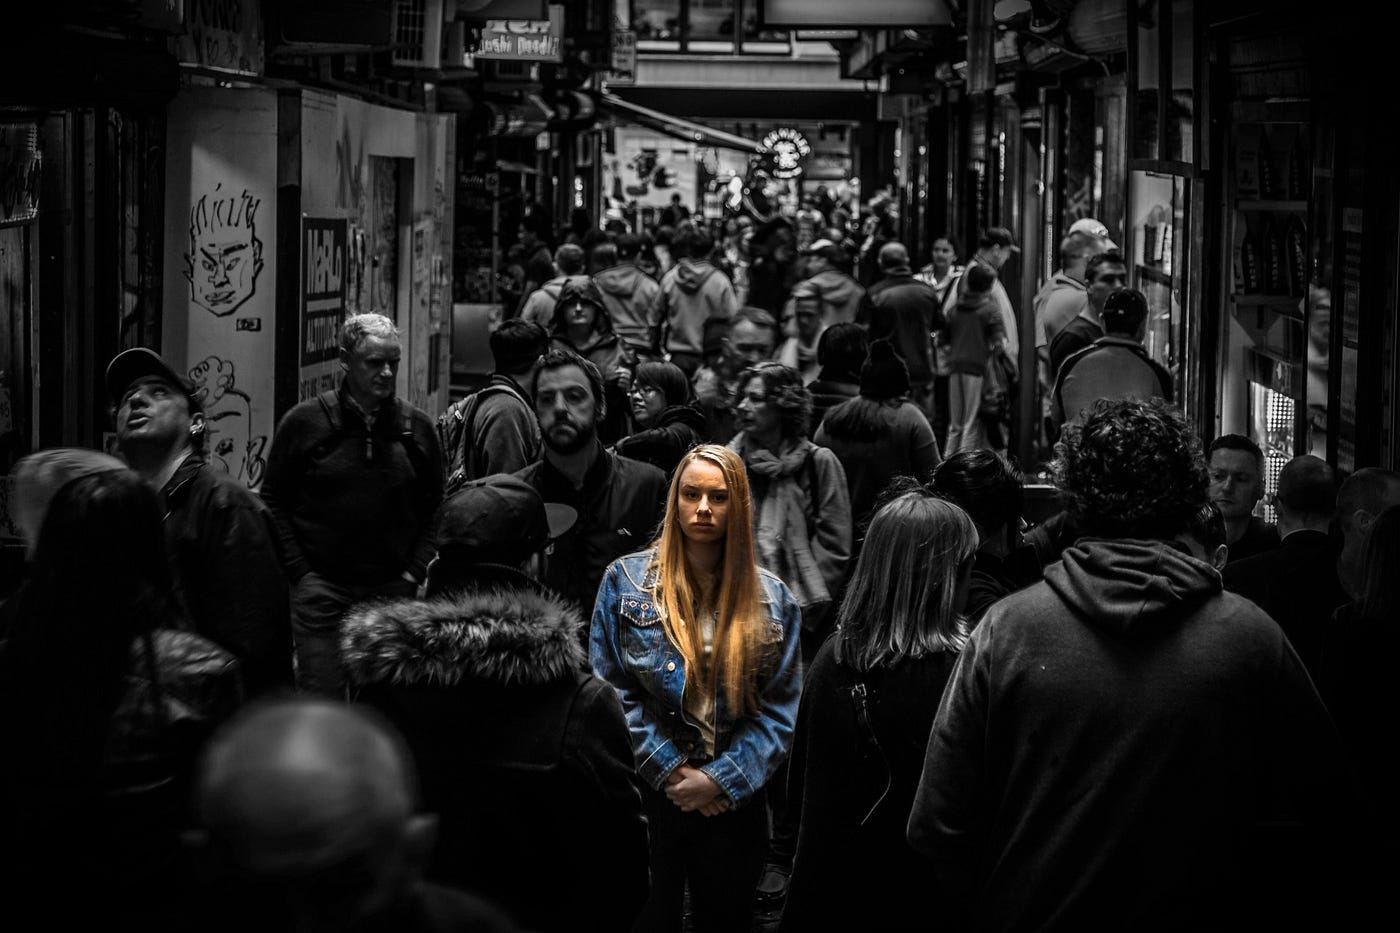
point(1124, 745)
point(841, 296)
point(629, 295)
point(693, 292)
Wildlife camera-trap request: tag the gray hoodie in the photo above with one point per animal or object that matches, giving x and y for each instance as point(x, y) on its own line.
point(629, 295)
point(692, 293)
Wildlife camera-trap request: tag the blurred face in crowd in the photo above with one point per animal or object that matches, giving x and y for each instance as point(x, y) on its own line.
point(748, 343)
point(580, 316)
point(807, 319)
point(566, 409)
point(155, 412)
point(755, 414)
point(648, 402)
point(1111, 277)
point(1235, 484)
point(703, 502)
point(372, 368)
point(942, 255)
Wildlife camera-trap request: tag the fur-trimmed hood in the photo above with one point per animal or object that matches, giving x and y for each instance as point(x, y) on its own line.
point(502, 636)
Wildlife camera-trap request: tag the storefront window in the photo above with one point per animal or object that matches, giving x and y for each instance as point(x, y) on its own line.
point(703, 26)
point(655, 20)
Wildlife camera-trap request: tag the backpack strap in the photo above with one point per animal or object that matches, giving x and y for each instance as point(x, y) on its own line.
point(861, 699)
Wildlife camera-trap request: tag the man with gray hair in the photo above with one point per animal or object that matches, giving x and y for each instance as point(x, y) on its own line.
point(353, 479)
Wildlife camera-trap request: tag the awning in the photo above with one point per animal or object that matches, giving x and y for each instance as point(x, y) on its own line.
point(674, 126)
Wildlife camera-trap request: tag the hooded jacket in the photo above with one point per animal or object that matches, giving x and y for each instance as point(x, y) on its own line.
point(842, 297)
point(629, 295)
point(522, 753)
point(691, 293)
point(1109, 742)
point(602, 348)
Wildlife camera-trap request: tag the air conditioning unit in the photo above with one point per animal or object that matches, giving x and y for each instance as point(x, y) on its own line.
point(418, 28)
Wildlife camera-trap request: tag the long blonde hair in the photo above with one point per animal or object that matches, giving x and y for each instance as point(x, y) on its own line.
point(739, 636)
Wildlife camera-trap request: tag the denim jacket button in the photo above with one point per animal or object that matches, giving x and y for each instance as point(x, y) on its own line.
point(670, 665)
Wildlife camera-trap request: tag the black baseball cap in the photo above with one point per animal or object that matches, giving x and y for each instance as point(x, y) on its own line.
point(140, 363)
point(500, 519)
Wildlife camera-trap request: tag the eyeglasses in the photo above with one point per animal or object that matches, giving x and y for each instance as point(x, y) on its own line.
point(643, 390)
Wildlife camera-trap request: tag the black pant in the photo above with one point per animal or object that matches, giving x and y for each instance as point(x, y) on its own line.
point(719, 856)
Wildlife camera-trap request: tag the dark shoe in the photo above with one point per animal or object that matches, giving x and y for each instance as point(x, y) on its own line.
point(772, 886)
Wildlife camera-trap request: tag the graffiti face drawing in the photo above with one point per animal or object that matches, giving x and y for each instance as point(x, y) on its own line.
point(225, 253)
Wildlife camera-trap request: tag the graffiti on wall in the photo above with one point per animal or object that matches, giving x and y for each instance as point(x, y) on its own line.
point(228, 418)
point(225, 254)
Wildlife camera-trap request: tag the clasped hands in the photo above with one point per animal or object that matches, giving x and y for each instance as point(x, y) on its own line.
point(692, 789)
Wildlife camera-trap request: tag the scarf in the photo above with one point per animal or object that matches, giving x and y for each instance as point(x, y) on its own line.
point(781, 534)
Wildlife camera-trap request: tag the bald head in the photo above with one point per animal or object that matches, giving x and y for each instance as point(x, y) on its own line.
point(1307, 493)
point(894, 257)
point(298, 785)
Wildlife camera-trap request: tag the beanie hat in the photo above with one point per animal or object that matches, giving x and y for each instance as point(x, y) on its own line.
point(883, 375)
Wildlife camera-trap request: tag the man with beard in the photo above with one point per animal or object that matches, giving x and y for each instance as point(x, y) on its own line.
point(619, 501)
point(353, 479)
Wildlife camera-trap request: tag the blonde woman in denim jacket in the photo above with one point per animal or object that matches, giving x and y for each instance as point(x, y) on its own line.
point(702, 647)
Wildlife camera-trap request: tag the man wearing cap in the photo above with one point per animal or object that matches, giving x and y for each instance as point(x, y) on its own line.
point(904, 310)
point(841, 296)
point(547, 777)
point(221, 537)
point(353, 479)
point(1115, 366)
point(619, 501)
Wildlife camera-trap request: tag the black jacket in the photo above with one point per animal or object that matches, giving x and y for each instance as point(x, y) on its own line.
point(828, 390)
point(1296, 583)
point(523, 754)
point(354, 505)
point(223, 545)
point(663, 446)
point(905, 310)
point(619, 508)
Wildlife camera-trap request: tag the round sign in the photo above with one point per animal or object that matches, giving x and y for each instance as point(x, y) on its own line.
point(788, 148)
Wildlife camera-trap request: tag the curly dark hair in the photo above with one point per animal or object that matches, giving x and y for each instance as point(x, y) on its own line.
point(1131, 470)
point(782, 387)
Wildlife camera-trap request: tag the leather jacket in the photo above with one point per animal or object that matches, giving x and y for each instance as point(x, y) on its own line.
point(629, 648)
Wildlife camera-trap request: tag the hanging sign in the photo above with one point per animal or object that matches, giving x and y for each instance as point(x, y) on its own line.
point(624, 57)
point(323, 288)
point(20, 172)
point(787, 148)
point(529, 40)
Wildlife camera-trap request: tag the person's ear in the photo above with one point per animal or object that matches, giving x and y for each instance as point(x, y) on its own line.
point(197, 425)
point(344, 359)
point(1220, 557)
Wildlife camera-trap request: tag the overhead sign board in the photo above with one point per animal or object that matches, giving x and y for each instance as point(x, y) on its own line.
point(481, 10)
point(528, 40)
point(843, 14)
point(624, 57)
point(786, 148)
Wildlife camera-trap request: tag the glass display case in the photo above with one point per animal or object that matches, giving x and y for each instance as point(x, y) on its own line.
point(1157, 259)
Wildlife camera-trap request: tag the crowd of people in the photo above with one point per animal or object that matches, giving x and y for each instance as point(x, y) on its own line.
point(719, 600)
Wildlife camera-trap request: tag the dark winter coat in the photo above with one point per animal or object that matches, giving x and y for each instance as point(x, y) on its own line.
point(854, 869)
point(619, 508)
point(524, 756)
point(676, 431)
point(1124, 746)
point(905, 310)
point(355, 507)
point(223, 545)
point(877, 440)
point(828, 390)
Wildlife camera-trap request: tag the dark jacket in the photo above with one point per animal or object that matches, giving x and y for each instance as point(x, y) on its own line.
point(971, 327)
point(1073, 337)
point(523, 754)
point(1259, 537)
point(421, 907)
point(853, 869)
point(355, 506)
point(1112, 747)
point(1296, 583)
point(1112, 367)
point(828, 390)
point(996, 577)
point(678, 429)
point(877, 440)
point(905, 310)
point(223, 544)
point(619, 508)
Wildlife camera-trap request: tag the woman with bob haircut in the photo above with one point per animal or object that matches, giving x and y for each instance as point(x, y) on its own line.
point(668, 422)
point(863, 724)
point(702, 646)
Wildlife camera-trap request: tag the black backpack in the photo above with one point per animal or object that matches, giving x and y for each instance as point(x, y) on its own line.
point(454, 434)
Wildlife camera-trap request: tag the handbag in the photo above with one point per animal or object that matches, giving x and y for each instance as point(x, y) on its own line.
point(999, 385)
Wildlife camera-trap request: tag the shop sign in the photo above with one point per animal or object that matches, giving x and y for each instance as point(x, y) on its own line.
point(323, 274)
point(20, 172)
point(788, 148)
point(624, 57)
point(529, 40)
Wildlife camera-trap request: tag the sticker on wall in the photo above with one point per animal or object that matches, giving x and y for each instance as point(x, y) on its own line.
point(225, 254)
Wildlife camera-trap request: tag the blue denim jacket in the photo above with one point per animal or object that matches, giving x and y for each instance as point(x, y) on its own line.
point(629, 649)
